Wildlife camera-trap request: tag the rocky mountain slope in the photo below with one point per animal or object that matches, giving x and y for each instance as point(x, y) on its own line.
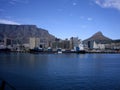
point(24, 32)
point(99, 38)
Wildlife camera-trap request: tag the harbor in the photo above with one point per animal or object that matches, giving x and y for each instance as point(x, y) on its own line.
point(29, 71)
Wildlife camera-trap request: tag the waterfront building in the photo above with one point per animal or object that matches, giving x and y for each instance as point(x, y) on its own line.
point(95, 45)
point(56, 44)
point(1, 42)
point(90, 44)
point(113, 46)
point(66, 44)
point(34, 42)
point(7, 42)
point(26, 46)
point(75, 43)
point(101, 46)
point(1, 39)
point(98, 46)
point(81, 46)
point(63, 44)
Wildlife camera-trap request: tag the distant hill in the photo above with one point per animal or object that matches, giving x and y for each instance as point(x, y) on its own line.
point(24, 32)
point(99, 38)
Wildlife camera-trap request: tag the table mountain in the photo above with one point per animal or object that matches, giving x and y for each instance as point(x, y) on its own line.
point(24, 32)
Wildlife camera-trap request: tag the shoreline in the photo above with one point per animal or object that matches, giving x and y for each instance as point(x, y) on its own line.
point(67, 52)
point(55, 52)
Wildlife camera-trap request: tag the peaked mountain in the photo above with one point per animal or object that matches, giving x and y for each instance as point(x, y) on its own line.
point(24, 32)
point(99, 38)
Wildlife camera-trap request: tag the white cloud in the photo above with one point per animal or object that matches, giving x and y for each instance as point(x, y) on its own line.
point(86, 18)
point(108, 3)
point(3, 21)
point(89, 19)
point(74, 4)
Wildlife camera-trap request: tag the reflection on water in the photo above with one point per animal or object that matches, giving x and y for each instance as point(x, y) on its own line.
point(61, 71)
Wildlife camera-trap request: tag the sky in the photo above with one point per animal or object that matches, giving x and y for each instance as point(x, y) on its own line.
point(65, 18)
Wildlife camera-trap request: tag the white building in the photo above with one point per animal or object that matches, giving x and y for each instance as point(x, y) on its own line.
point(95, 45)
point(76, 44)
point(34, 42)
point(81, 46)
point(98, 46)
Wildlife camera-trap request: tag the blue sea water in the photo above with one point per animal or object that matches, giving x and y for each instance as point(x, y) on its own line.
point(27, 71)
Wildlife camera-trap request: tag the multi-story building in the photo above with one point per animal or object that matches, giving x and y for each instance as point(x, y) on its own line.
point(98, 46)
point(94, 45)
point(74, 43)
point(63, 44)
point(7, 42)
point(66, 44)
point(34, 42)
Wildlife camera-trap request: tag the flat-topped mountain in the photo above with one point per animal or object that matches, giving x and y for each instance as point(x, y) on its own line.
point(99, 38)
point(24, 32)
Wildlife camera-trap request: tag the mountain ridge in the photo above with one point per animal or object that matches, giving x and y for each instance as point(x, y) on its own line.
point(24, 32)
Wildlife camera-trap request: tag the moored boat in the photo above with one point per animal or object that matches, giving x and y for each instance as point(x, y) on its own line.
point(81, 52)
point(36, 50)
point(5, 50)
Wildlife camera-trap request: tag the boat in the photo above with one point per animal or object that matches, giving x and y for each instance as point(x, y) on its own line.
point(36, 50)
point(5, 50)
point(81, 52)
point(59, 50)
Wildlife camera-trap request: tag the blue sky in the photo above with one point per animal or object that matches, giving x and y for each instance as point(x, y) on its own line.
point(65, 18)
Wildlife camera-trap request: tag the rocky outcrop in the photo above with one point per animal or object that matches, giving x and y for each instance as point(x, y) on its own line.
point(99, 38)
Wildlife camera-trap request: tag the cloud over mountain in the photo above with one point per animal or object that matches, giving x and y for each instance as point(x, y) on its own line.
point(4, 21)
